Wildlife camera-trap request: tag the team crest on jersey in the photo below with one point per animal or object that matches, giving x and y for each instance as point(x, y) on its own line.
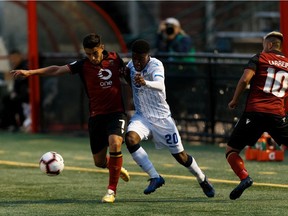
point(105, 75)
point(111, 62)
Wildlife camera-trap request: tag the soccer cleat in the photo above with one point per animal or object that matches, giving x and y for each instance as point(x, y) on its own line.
point(109, 197)
point(244, 184)
point(124, 174)
point(207, 188)
point(154, 184)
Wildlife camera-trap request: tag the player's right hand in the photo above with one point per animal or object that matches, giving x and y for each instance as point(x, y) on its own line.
point(139, 80)
point(20, 73)
point(232, 105)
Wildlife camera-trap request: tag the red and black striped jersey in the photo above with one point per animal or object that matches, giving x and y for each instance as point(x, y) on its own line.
point(101, 82)
point(268, 87)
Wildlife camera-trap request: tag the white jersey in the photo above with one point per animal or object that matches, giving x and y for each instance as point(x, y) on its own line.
point(150, 103)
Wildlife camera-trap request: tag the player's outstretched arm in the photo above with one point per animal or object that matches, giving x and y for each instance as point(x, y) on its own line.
point(53, 70)
point(20, 73)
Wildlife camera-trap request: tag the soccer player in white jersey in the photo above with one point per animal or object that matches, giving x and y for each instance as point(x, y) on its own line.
point(152, 119)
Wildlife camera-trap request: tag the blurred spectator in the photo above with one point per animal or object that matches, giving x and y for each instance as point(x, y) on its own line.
point(16, 107)
point(172, 38)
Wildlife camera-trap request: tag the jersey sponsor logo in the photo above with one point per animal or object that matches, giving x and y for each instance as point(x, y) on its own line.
point(105, 75)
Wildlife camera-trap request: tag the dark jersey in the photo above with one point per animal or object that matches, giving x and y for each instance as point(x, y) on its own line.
point(101, 82)
point(268, 87)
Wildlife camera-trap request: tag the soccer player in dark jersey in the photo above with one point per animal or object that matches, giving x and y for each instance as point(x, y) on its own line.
point(267, 74)
point(100, 72)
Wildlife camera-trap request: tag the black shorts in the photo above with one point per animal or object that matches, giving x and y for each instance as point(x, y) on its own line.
point(252, 125)
point(102, 126)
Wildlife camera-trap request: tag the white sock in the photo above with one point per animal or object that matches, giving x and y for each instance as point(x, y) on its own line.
point(196, 171)
point(141, 158)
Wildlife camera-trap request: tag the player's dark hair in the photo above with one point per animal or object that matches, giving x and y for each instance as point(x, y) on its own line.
point(141, 47)
point(91, 40)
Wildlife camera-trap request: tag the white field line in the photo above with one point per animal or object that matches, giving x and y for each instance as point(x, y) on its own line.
point(72, 168)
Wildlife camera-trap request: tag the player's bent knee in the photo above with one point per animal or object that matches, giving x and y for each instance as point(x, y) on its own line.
point(183, 158)
point(131, 139)
point(100, 164)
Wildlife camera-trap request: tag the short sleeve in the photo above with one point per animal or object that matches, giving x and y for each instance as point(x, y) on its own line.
point(76, 66)
point(253, 62)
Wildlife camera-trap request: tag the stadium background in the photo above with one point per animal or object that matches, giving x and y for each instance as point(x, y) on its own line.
point(225, 36)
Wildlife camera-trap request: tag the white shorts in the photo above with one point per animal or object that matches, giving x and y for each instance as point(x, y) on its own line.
point(163, 132)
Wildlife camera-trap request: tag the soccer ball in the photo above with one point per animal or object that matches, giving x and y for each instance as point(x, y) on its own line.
point(51, 163)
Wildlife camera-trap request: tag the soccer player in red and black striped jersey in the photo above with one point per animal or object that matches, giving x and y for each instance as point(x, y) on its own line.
point(100, 72)
point(267, 74)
